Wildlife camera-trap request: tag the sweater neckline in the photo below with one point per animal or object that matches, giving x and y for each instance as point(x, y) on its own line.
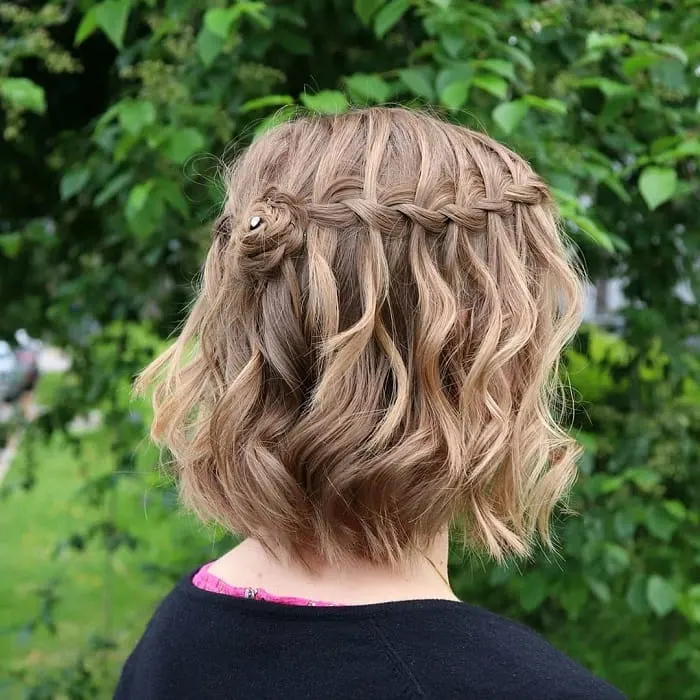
point(252, 606)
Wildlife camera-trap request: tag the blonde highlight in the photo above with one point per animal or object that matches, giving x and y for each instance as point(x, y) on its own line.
point(377, 355)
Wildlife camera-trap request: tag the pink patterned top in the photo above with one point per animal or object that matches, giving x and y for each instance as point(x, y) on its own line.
point(207, 581)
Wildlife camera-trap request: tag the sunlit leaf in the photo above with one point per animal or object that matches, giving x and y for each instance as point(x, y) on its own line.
point(492, 84)
point(23, 93)
point(183, 143)
point(509, 114)
point(111, 16)
point(370, 88)
point(455, 95)
point(418, 82)
point(134, 115)
point(219, 20)
point(87, 26)
point(266, 101)
point(73, 182)
point(657, 185)
point(364, 9)
point(662, 595)
point(389, 15)
point(325, 101)
point(209, 46)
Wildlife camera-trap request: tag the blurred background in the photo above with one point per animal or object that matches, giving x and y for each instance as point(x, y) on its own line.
point(116, 118)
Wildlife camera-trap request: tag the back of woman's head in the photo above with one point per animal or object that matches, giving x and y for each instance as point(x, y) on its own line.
point(373, 352)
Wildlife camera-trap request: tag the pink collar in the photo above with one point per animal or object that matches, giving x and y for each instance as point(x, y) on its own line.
point(207, 581)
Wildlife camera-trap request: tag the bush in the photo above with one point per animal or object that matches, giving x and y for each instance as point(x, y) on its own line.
point(105, 104)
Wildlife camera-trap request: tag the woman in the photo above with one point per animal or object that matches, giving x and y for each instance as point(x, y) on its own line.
point(371, 361)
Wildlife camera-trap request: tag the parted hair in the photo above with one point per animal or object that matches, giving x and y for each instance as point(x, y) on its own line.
point(373, 352)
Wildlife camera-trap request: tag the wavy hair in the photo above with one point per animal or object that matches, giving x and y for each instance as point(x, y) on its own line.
point(373, 351)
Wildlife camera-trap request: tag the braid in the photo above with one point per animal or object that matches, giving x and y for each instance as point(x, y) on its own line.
point(284, 217)
point(280, 221)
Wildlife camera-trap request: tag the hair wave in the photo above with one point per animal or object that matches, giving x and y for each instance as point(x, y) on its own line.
point(373, 352)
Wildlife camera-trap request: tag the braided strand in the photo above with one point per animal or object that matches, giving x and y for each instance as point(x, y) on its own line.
point(284, 217)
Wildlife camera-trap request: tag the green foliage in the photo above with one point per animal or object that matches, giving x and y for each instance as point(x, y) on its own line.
point(326, 102)
point(114, 115)
point(23, 93)
point(657, 185)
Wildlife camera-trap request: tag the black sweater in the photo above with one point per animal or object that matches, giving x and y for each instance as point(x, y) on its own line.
point(201, 645)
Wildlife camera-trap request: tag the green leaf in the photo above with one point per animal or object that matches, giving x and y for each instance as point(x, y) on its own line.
point(10, 244)
point(610, 88)
point(615, 558)
point(134, 115)
point(546, 105)
point(689, 604)
point(183, 143)
point(73, 182)
point(643, 478)
point(23, 93)
point(673, 51)
point(533, 591)
point(111, 16)
point(294, 42)
point(636, 595)
point(455, 95)
point(389, 15)
point(209, 46)
point(112, 188)
point(266, 101)
point(689, 148)
point(172, 193)
point(455, 73)
point(279, 117)
point(624, 525)
point(509, 114)
point(639, 62)
point(492, 84)
point(144, 209)
point(139, 196)
point(364, 9)
point(670, 75)
point(600, 589)
point(255, 11)
point(676, 509)
point(86, 27)
point(662, 595)
point(416, 80)
point(657, 185)
point(506, 69)
point(453, 43)
point(573, 597)
point(326, 102)
point(218, 20)
point(661, 523)
point(369, 88)
point(592, 231)
point(520, 57)
point(617, 187)
point(290, 16)
point(596, 41)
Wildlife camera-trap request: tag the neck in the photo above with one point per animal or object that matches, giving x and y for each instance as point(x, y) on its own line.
point(423, 576)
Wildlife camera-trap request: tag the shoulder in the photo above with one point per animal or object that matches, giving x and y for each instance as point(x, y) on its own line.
point(154, 669)
point(459, 647)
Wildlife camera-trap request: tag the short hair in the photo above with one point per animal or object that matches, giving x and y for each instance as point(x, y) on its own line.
point(373, 353)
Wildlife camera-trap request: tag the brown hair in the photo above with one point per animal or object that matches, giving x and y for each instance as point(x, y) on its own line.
point(373, 353)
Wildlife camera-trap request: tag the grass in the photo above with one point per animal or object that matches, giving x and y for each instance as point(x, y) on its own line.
point(103, 594)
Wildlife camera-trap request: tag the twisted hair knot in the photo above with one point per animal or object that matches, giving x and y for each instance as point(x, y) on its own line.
point(272, 230)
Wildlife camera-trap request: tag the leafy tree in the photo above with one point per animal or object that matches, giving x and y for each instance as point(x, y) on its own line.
point(115, 116)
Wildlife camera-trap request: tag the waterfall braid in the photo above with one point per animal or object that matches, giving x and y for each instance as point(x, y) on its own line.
point(373, 352)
